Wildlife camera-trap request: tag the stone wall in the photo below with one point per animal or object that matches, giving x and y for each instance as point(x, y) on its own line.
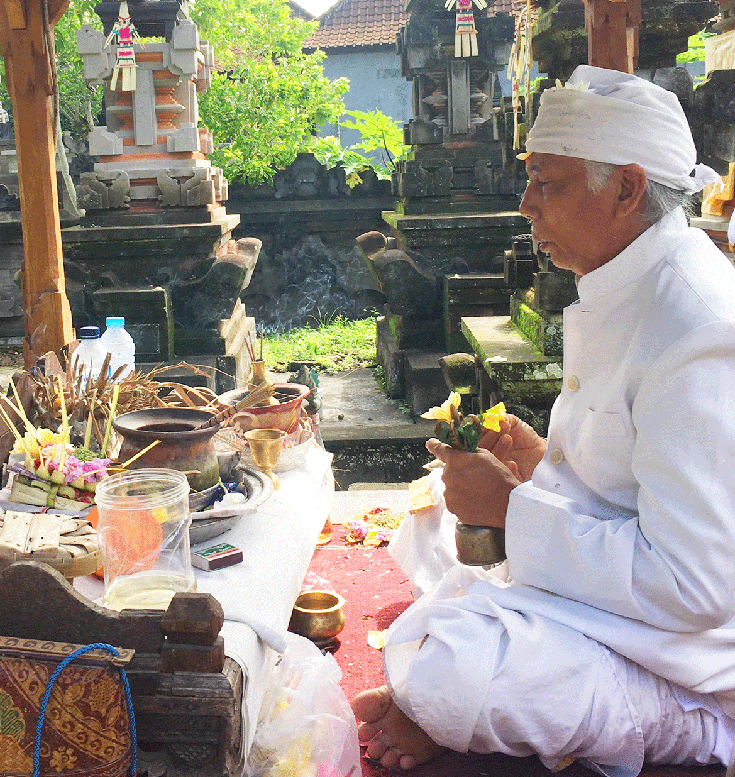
point(310, 268)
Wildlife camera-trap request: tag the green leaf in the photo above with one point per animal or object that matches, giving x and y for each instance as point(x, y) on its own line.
point(471, 435)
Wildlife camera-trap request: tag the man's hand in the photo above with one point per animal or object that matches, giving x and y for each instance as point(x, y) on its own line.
point(517, 443)
point(477, 485)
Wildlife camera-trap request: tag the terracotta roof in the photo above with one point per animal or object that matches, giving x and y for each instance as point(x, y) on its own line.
point(300, 12)
point(356, 23)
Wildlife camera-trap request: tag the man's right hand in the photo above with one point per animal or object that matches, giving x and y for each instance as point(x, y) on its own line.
point(515, 442)
point(477, 485)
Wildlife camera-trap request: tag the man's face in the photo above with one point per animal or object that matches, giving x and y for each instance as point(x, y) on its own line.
point(569, 222)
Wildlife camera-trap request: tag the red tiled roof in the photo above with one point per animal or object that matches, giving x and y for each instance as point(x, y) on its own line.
point(355, 23)
point(300, 12)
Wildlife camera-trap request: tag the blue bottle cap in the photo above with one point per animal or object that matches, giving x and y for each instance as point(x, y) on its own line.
point(113, 321)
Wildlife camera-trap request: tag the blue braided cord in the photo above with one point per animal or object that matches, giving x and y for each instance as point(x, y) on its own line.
point(47, 695)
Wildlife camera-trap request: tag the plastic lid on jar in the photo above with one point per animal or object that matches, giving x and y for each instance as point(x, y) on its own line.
point(89, 332)
point(115, 321)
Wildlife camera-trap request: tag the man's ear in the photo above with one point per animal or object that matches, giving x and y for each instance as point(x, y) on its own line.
point(632, 188)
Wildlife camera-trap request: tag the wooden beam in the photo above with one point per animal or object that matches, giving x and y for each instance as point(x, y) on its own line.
point(12, 17)
point(46, 309)
point(56, 9)
point(612, 33)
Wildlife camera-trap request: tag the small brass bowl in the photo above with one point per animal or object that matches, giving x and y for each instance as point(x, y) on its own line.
point(318, 616)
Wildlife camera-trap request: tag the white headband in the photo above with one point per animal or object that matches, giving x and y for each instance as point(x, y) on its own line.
point(608, 116)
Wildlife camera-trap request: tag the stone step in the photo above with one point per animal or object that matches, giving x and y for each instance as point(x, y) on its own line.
point(425, 384)
point(511, 369)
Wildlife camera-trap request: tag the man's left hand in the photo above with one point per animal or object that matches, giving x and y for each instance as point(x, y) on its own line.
point(477, 485)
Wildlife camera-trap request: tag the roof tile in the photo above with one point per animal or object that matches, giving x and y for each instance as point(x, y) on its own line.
point(352, 23)
point(355, 23)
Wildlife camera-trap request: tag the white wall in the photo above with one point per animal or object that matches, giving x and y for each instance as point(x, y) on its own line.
point(375, 84)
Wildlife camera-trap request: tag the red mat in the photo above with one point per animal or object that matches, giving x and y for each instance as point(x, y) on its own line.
point(376, 591)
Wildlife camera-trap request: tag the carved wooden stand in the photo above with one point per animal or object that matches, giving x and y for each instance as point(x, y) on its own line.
point(187, 696)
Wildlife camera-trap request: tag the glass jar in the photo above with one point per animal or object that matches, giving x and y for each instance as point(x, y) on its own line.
point(144, 536)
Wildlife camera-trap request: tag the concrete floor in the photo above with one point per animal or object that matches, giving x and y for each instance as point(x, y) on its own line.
point(354, 407)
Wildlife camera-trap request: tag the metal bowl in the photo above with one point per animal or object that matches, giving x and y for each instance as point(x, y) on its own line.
point(207, 524)
point(479, 545)
point(318, 616)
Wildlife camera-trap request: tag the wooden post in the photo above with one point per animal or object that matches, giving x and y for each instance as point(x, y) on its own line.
point(26, 29)
point(612, 33)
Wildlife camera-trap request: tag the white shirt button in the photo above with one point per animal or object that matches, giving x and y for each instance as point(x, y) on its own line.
point(573, 383)
point(556, 456)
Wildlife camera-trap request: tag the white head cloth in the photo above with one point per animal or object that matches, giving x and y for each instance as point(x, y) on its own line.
point(608, 116)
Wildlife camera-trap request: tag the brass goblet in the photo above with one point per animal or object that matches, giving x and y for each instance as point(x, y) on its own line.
point(265, 447)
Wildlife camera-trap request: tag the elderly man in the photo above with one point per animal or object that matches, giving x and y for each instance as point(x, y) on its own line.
point(611, 640)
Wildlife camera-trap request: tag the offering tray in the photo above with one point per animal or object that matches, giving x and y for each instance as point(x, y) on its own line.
point(206, 524)
point(71, 547)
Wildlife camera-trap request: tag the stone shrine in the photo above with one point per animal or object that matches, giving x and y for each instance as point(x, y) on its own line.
point(156, 242)
point(457, 199)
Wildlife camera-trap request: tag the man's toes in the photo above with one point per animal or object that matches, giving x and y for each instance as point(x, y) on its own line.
point(407, 762)
point(390, 758)
point(370, 706)
point(366, 731)
point(377, 747)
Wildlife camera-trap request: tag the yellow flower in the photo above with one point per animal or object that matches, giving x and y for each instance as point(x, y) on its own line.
point(47, 437)
point(491, 418)
point(26, 444)
point(34, 443)
point(444, 412)
point(376, 639)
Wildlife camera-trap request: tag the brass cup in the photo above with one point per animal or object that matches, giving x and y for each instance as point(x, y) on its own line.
point(266, 446)
point(318, 616)
point(479, 545)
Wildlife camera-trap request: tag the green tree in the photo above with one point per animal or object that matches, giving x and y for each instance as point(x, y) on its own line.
point(78, 103)
point(264, 107)
point(379, 148)
point(695, 50)
point(261, 108)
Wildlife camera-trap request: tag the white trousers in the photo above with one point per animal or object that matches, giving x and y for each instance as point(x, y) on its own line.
point(477, 676)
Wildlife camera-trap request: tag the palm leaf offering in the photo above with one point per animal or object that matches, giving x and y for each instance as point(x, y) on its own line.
point(61, 423)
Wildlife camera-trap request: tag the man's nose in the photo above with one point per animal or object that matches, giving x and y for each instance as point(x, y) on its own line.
point(527, 209)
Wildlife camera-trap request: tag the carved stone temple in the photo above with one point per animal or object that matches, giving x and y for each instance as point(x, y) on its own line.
point(457, 195)
point(156, 242)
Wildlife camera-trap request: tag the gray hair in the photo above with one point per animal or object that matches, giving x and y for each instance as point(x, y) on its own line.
point(658, 200)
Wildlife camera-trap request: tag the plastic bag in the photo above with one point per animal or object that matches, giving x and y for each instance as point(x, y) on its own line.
point(306, 727)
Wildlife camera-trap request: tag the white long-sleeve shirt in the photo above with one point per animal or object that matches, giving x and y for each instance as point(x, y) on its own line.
point(627, 530)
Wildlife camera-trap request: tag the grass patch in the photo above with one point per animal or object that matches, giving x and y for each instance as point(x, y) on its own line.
point(335, 346)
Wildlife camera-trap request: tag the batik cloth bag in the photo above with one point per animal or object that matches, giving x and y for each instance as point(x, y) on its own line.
point(65, 710)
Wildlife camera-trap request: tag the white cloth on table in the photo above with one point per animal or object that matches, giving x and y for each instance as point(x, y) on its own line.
point(257, 595)
point(629, 539)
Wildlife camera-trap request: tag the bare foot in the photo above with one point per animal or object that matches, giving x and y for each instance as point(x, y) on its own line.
point(392, 737)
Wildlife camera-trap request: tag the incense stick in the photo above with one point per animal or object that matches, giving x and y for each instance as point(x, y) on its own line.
point(20, 410)
point(113, 407)
point(13, 429)
point(88, 428)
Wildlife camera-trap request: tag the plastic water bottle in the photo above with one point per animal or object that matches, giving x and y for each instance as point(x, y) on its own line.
point(89, 354)
point(120, 345)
